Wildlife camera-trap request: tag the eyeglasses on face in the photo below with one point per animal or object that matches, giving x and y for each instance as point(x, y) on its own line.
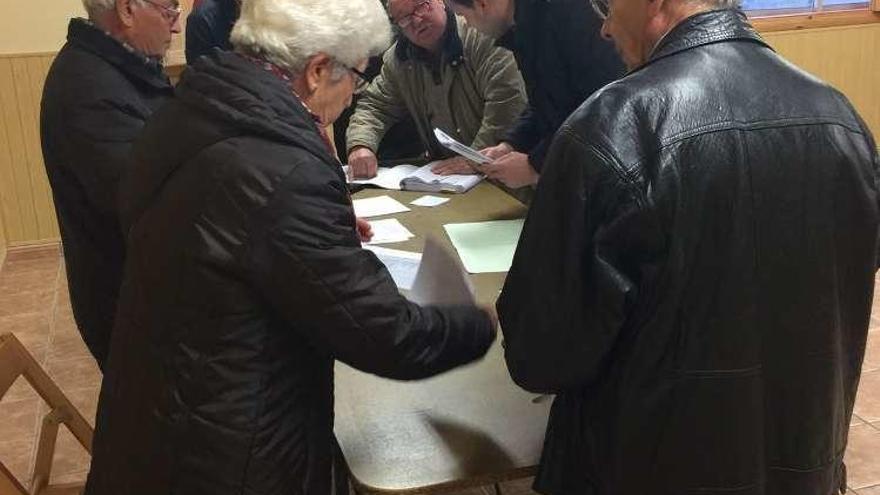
point(419, 10)
point(171, 13)
point(602, 8)
point(361, 81)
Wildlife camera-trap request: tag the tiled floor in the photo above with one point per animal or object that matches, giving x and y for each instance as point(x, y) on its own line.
point(35, 306)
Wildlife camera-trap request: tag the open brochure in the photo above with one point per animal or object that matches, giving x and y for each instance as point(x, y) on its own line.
point(414, 178)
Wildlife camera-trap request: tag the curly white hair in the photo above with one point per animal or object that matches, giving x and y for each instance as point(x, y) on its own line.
point(289, 32)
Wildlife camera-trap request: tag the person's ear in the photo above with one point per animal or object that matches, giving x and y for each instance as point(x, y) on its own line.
point(318, 71)
point(125, 12)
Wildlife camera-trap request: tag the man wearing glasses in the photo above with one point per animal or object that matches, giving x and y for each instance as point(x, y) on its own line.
point(695, 276)
point(444, 75)
point(103, 85)
point(563, 60)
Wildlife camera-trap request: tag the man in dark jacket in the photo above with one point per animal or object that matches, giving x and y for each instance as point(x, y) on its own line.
point(563, 60)
point(718, 208)
point(208, 27)
point(102, 87)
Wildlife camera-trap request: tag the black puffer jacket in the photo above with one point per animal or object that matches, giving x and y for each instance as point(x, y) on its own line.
point(563, 59)
point(695, 276)
point(97, 97)
point(244, 281)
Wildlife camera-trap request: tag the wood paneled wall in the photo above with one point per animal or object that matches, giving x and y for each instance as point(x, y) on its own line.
point(25, 198)
point(2, 242)
point(847, 57)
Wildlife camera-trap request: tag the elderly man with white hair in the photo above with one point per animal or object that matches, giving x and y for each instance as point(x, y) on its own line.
point(103, 85)
point(245, 277)
point(695, 276)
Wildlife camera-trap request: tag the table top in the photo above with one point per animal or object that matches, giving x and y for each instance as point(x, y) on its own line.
point(471, 426)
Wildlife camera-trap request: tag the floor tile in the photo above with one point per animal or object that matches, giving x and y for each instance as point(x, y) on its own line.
point(47, 267)
point(856, 421)
point(26, 302)
point(31, 329)
point(85, 400)
point(75, 477)
point(19, 419)
point(872, 353)
point(17, 457)
point(67, 343)
point(74, 374)
point(28, 282)
point(863, 468)
point(874, 490)
point(868, 398)
point(70, 456)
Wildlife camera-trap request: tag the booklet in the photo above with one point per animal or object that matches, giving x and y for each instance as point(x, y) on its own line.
point(451, 144)
point(422, 179)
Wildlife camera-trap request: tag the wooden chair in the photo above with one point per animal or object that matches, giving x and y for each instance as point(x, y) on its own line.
point(16, 361)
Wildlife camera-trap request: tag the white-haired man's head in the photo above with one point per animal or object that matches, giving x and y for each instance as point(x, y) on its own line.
point(146, 25)
point(290, 32)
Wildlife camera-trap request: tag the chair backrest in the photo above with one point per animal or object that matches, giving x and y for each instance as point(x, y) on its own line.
point(16, 361)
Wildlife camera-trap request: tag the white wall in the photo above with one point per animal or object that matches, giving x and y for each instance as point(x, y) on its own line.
point(36, 26)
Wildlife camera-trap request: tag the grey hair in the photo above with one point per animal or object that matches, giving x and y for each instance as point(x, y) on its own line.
point(96, 6)
point(722, 4)
point(289, 32)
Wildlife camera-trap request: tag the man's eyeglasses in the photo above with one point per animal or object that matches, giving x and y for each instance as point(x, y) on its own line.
point(602, 8)
point(361, 81)
point(171, 14)
point(420, 10)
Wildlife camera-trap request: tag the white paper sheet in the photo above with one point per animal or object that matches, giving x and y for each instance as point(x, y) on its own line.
point(374, 207)
point(441, 278)
point(402, 265)
point(466, 151)
point(429, 201)
point(388, 231)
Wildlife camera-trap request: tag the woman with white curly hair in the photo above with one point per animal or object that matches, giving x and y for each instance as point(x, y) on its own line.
point(245, 278)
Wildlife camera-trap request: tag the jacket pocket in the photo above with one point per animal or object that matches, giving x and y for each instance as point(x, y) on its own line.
point(713, 441)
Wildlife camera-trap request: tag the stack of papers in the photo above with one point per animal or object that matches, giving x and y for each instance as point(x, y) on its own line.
point(378, 206)
point(485, 247)
point(413, 178)
point(388, 231)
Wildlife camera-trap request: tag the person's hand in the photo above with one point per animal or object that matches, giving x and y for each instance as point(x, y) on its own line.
point(362, 163)
point(456, 165)
point(512, 169)
point(364, 230)
point(497, 151)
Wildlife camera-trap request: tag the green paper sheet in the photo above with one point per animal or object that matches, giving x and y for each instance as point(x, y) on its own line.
point(485, 247)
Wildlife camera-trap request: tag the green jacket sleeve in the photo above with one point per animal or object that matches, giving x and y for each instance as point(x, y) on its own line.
point(380, 107)
point(501, 87)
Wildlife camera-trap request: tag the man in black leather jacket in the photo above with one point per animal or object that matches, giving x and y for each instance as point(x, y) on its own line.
point(695, 276)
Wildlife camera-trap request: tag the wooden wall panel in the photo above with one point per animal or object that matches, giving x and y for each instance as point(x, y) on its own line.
point(25, 196)
point(846, 57)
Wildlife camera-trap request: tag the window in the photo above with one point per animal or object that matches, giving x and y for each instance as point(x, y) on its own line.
point(758, 8)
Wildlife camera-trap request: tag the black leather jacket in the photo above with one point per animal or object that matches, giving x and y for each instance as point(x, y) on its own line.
point(695, 276)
